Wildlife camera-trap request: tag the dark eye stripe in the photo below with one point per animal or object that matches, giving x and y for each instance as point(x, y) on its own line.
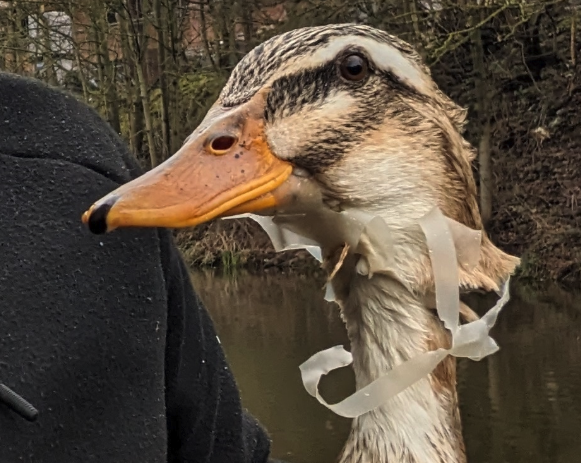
point(396, 83)
point(289, 94)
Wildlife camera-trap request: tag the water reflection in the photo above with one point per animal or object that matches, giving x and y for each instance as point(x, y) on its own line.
point(522, 404)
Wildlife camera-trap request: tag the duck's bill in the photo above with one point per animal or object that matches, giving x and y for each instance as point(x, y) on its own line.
point(197, 184)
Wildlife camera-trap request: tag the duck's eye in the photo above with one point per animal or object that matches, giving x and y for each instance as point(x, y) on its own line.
point(353, 68)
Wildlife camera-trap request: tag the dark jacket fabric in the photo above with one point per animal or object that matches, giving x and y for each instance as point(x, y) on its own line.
point(104, 335)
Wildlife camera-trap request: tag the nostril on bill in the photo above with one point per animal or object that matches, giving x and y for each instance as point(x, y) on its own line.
point(98, 219)
point(222, 143)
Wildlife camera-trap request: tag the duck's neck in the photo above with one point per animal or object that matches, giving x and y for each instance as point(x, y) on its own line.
point(387, 325)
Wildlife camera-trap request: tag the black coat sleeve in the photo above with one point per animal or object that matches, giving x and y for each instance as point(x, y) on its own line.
point(206, 422)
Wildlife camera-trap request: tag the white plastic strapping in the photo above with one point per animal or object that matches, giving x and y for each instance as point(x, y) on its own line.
point(449, 243)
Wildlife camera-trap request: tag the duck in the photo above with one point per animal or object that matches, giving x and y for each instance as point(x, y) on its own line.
point(350, 112)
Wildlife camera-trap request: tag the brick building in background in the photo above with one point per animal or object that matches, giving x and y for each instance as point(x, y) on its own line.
point(51, 40)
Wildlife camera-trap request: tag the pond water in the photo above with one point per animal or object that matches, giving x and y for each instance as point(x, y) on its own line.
point(522, 404)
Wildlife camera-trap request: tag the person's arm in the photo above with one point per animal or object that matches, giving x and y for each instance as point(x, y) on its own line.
point(52, 130)
point(206, 422)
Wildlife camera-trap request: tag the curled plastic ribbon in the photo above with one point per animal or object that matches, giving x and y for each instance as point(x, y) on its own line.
point(449, 243)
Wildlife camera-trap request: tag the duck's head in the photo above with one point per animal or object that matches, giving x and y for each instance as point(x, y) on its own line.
point(349, 107)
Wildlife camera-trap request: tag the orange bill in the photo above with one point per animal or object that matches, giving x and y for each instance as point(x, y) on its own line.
point(226, 168)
